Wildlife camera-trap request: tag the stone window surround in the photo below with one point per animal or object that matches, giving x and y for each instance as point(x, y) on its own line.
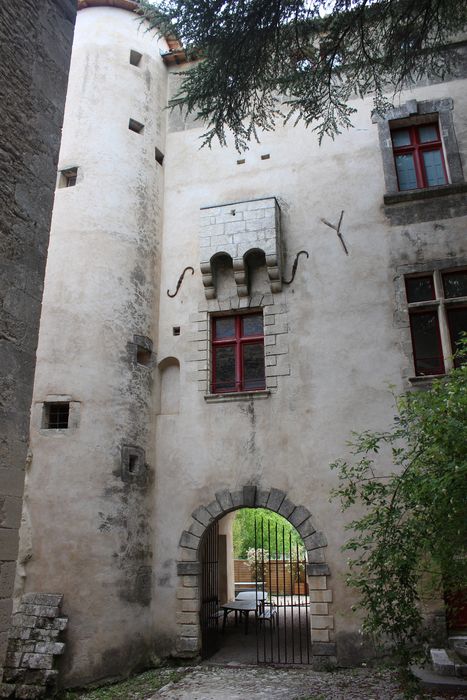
point(73, 416)
point(418, 113)
point(401, 314)
point(189, 566)
point(276, 347)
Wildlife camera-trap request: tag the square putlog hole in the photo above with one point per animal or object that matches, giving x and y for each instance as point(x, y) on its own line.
point(135, 57)
point(135, 126)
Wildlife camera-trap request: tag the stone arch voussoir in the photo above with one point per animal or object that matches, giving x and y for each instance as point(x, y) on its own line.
point(189, 566)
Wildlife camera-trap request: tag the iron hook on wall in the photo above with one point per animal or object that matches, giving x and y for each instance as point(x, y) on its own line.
point(179, 283)
point(295, 265)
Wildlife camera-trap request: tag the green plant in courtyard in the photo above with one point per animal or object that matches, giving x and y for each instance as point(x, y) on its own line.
point(411, 540)
point(244, 532)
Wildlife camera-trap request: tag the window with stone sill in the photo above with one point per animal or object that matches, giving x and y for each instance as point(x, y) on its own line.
point(419, 150)
point(418, 156)
point(237, 353)
point(437, 303)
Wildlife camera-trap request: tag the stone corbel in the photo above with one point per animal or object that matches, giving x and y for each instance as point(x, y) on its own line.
point(274, 273)
point(208, 280)
point(241, 276)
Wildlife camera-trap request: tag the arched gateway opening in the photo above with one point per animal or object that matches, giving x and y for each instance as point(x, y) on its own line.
point(271, 600)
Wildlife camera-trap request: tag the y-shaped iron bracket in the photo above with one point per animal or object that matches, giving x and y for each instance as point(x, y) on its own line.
point(337, 230)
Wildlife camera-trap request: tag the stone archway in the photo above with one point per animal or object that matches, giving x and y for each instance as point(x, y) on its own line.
point(189, 567)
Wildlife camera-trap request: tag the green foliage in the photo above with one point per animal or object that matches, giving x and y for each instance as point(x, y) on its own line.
point(412, 539)
point(304, 60)
point(244, 533)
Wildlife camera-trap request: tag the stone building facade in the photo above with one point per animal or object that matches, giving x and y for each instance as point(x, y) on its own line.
point(186, 367)
point(35, 50)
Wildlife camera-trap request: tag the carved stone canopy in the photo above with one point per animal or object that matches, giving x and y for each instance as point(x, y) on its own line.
point(237, 230)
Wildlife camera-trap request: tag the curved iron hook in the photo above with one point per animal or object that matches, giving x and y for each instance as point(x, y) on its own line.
point(295, 265)
point(180, 280)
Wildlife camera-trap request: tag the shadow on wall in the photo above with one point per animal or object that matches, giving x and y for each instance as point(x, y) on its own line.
point(169, 372)
point(253, 274)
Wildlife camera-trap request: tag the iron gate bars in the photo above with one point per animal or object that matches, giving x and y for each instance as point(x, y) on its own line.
point(209, 611)
point(283, 632)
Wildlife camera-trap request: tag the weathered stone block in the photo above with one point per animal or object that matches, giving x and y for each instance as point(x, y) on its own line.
point(187, 605)
point(275, 499)
point(319, 635)
point(7, 577)
point(48, 599)
point(317, 583)
point(319, 608)
point(321, 596)
point(13, 659)
point(323, 648)
point(314, 541)
point(261, 499)
point(322, 622)
point(38, 660)
point(237, 499)
point(318, 570)
point(306, 528)
point(214, 508)
point(29, 692)
point(49, 648)
point(249, 495)
point(60, 623)
point(299, 515)
point(9, 544)
point(224, 499)
point(286, 508)
point(187, 618)
point(187, 593)
point(6, 690)
point(190, 581)
point(188, 644)
point(188, 540)
point(188, 568)
point(39, 610)
point(196, 528)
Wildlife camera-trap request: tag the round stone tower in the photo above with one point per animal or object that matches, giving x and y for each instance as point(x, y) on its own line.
point(89, 537)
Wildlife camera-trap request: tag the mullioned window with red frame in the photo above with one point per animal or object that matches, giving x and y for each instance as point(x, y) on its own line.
point(436, 300)
point(418, 156)
point(237, 353)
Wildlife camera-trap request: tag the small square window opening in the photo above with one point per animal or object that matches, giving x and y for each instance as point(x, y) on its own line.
point(265, 156)
point(135, 126)
point(68, 177)
point(176, 330)
point(135, 57)
point(56, 415)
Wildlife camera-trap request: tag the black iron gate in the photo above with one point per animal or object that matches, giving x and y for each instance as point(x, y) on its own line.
point(283, 631)
point(209, 611)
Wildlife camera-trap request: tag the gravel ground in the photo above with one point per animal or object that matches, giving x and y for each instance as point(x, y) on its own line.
point(243, 683)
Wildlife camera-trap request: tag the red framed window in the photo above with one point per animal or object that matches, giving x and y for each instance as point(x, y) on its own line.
point(424, 326)
point(418, 156)
point(438, 316)
point(238, 353)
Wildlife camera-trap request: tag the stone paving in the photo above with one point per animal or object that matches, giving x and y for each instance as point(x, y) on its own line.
point(245, 682)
